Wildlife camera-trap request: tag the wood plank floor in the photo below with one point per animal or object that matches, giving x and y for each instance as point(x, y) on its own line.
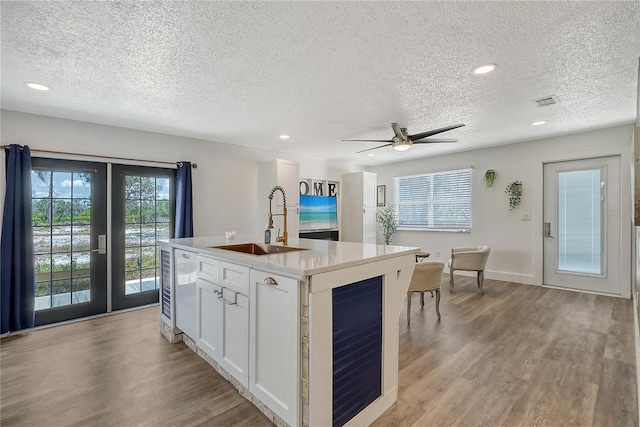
point(114, 371)
point(519, 355)
point(516, 356)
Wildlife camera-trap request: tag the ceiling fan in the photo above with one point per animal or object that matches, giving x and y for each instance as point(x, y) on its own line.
point(402, 141)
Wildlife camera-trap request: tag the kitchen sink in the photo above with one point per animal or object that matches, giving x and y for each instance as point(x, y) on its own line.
point(258, 248)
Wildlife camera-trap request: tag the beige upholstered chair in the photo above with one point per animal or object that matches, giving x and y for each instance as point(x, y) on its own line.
point(469, 259)
point(426, 278)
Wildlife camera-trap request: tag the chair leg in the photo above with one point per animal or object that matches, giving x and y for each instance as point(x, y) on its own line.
point(422, 299)
point(438, 303)
point(451, 281)
point(480, 281)
point(408, 308)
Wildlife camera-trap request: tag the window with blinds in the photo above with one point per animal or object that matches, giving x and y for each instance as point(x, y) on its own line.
point(435, 201)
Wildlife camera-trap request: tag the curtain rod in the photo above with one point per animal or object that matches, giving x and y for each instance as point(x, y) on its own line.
point(193, 165)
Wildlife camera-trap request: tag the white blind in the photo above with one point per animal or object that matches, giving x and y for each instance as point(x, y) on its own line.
point(440, 200)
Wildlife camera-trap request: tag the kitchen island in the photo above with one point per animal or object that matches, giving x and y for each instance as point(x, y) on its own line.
point(309, 336)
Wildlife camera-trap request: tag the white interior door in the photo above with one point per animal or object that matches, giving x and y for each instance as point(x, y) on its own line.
point(582, 225)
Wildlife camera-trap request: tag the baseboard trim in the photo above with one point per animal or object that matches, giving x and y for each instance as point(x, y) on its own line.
point(581, 291)
point(523, 279)
point(636, 329)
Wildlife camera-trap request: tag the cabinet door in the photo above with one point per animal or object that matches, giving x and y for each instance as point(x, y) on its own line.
point(369, 191)
point(286, 174)
point(210, 315)
point(293, 222)
point(274, 349)
point(369, 225)
point(288, 178)
point(235, 335)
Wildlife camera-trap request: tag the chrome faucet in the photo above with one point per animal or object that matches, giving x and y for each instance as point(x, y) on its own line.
point(285, 237)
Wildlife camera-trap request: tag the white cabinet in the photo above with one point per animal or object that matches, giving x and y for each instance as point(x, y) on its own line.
point(248, 321)
point(286, 174)
point(235, 335)
point(359, 207)
point(210, 317)
point(223, 317)
point(274, 352)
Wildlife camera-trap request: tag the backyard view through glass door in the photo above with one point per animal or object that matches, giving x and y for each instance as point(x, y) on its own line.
point(69, 216)
point(69, 201)
point(143, 212)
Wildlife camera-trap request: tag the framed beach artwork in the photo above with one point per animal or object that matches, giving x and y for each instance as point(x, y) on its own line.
point(318, 213)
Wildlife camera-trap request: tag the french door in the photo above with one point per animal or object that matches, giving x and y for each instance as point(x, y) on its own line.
point(69, 235)
point(143, 211)
point(582, 225)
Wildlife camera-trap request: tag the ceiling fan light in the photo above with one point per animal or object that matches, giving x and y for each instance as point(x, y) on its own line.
point(37, 86)
point(400, 145)
point(484, 68)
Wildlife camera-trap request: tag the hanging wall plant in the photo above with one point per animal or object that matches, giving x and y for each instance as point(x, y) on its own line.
point(489, 177)
point(514, 190)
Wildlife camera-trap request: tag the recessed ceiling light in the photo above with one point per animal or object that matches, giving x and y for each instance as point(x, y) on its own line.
point(538, 123)
point(284, 137)
point(37, 86)
point(370, 155)
point(485, 68)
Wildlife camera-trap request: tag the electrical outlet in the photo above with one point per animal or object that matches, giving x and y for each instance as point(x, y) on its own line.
point(437, 254)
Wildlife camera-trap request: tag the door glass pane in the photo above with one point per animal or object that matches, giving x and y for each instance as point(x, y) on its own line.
point(61, 203)
point(580, 222)
point(146, 217)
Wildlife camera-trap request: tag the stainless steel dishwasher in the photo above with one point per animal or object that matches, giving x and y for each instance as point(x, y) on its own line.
point(185, 267)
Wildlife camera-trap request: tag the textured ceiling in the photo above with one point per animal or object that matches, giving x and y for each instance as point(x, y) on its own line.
point(246, 72)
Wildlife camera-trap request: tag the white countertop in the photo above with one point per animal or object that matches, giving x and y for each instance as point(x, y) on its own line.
point(321, 256)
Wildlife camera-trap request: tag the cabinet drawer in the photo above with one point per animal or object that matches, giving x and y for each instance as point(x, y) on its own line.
point(234, 277)
point(208, 268)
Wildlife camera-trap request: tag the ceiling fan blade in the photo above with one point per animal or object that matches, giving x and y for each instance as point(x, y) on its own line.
point(433, 132)
point(397, 130)
point(434, 140)
point(374, 148)
point(369, 140)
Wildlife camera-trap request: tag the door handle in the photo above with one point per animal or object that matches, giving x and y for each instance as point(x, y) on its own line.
point(547, 230)
point(102, 245)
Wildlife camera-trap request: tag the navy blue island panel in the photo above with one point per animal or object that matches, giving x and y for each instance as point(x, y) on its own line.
point(357, 347)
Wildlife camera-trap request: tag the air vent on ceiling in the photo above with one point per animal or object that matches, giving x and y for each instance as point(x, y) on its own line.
point(547, 100)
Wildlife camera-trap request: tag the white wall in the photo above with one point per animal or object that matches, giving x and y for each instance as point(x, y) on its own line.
point(224, 184)
point(516, 245)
